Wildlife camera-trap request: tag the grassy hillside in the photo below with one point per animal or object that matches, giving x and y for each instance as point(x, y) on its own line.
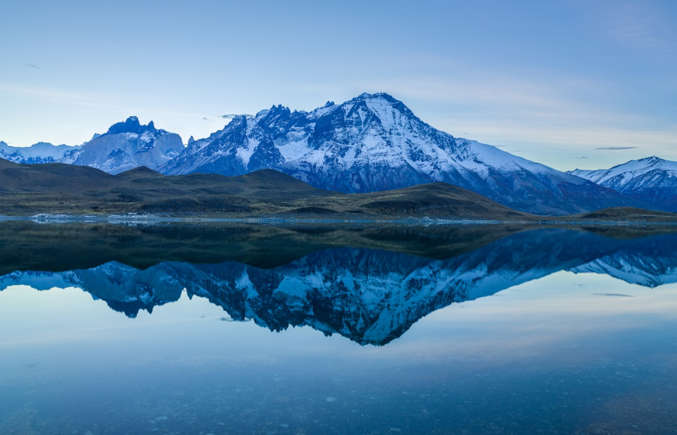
point(56, 188)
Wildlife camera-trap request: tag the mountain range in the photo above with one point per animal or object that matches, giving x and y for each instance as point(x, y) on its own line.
point(651, 180)
point(370, 143)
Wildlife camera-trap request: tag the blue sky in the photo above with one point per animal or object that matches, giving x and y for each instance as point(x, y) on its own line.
point(569, 83)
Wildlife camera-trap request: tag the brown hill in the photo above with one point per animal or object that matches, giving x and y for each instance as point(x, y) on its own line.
point(57, 188)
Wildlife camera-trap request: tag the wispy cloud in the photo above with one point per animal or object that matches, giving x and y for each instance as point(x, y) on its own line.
point(620, 295)
point(584, 137)
point(641, 25)
point(51, 94)
point(117, 102)
point(562, 102)
point(32, 65)
point(616, 148)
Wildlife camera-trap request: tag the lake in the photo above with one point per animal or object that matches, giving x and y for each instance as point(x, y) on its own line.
point(335, 329)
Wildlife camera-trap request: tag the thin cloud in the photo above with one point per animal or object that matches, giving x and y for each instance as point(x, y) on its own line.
point(641, 25)
point(52, 94)
point(32, 65)
point(583, 138)
point(616, 148)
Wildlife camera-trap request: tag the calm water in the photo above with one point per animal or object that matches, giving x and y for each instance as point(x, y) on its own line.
point(213, 329)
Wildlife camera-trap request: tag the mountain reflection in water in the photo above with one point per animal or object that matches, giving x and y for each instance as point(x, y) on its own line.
point(368, 284)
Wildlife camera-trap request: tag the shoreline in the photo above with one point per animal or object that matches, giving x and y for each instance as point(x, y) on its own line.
point(149, 219)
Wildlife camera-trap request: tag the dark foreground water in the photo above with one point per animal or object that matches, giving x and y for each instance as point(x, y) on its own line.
point(184, 329)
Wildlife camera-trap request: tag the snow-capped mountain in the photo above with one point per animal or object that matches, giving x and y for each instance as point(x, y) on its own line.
point(41, 152)
point(651, 179)
point(126, 145)
point(374, 142)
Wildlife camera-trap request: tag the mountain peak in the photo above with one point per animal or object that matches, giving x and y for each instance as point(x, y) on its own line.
point(652, 160)
point(371, 96)
point(275, 111)
point(389, 111)
point(130, 125)
point(42, 145)
point(648, 162)
point(278, 108)
point(382, 99)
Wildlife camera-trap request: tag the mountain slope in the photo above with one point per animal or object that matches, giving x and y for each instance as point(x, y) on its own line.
point(49, 179)
point(374, 142)
point(651, 180)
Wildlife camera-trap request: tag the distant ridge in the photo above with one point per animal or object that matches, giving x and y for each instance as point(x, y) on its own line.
point(651, 181)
